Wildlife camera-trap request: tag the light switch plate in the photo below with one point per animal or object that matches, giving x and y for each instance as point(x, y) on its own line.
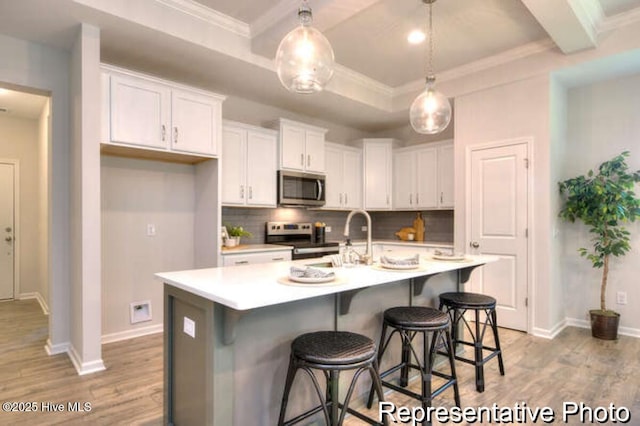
point(189, 327)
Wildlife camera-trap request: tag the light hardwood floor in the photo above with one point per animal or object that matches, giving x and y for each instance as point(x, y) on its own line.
point(539, 372)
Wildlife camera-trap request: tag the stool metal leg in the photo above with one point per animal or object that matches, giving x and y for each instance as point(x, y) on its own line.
point(405, 358)
point(381, 348)
point(449, 344)
point(494, 326)
point(477, 347)
point(291, 373)
point(333, 386)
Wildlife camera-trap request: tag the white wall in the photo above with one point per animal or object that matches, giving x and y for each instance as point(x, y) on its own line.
point(513, 110)
point(19, 141)
point(136, 193)
point(86, 347)
point(44, 142)
point(46, 69)
point(602, 122)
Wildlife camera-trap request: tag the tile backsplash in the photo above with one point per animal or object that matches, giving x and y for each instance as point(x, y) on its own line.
point(438, 224)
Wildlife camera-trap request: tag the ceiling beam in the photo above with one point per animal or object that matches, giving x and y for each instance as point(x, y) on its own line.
point(270, 28)
point(572, 24)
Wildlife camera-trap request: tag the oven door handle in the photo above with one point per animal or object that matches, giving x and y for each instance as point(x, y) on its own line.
point(307, 250)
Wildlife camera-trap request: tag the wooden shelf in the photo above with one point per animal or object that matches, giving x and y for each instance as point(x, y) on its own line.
point(148, 154)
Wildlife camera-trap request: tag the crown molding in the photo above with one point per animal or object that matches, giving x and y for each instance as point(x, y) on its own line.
point(211, 16)
point(620, 20)
point(505, 57)
point(275, 14)
point(363, 81)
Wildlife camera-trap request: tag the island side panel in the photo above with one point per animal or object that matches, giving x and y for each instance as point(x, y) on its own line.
point(189, 355)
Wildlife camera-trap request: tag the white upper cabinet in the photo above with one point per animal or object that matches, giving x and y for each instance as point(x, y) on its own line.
point(195, 122)
point(446, 176)
point(301, 147)
point(249, 165)
point(140, 112)
point(153, 114)
point(343, 177)
point(423, 177)
point(378, 177)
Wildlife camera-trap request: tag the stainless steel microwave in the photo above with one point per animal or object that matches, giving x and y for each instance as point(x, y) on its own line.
point(300, 189)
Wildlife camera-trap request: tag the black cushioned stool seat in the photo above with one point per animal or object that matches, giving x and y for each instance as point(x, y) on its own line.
point(331, 352)
point(407, 322)
point(457, 304)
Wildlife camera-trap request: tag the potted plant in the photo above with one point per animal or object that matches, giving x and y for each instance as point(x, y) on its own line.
point(234, 234)
point(604, 201)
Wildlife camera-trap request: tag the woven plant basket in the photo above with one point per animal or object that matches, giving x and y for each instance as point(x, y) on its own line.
point(604, 326)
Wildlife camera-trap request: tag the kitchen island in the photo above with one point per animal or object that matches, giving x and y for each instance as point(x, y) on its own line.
point(228, 330)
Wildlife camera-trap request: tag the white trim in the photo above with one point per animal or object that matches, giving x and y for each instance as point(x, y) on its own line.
point(622, 331)
point(36, 295)
point(619, 20)
point(550, 334)
point(209, 15)
point(132, 334)
point(84, 368)
point(505, 57)
point(529, 143)
point(16, 223)
point(275, 14)
point(60, 348)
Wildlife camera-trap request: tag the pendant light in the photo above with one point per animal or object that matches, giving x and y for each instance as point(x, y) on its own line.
point(430, 112)
point(304, 60)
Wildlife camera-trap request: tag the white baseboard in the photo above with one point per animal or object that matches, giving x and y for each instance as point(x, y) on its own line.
point(552, 333)
point(623, 331)
point(36, 295)
point(84, 367)
point(130, 334)
point(59, 348)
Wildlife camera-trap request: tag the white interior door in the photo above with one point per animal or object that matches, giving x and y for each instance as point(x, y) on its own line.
point(6, 231)
point(499, 226)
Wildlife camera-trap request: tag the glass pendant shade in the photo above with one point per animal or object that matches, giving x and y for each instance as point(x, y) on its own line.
point(430, 112)
point(305, 59)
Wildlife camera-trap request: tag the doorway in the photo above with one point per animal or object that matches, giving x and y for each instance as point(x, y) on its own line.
point(8, 253)
point(498, 224)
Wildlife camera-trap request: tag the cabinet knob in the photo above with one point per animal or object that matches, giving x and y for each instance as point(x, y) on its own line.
point(163, 132)
point(8, 239)
point(474, 244)
point(175, 135)
point(302, 160)
point(242, 191)
point(250, 192)
point(308, 160)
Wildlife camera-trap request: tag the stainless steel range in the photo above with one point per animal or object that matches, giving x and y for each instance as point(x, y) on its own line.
point(301, 237)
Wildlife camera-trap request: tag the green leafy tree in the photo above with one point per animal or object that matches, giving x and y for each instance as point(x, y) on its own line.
point(604, 201)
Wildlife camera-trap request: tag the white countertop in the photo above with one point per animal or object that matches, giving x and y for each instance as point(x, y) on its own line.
point(247, 287)
point(254, 248)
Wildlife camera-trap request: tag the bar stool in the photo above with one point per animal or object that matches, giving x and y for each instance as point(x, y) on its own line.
point(457, 304)
point(331, 352)
point(408, 321)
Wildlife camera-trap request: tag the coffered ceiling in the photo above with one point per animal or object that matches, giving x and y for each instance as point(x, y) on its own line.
point(229, 45)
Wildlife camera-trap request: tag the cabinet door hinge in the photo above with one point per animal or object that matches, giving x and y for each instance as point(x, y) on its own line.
point(526, 301)
point(526, 232)
point(526, 163)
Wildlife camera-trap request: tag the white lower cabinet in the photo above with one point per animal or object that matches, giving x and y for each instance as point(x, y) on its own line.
point(249, 165)
point(253, 258)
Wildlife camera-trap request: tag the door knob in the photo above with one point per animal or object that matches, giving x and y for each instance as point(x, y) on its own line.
point(474, 244)
point(8, 239)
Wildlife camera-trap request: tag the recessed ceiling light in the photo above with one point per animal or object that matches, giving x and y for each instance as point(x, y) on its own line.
point(416, 37)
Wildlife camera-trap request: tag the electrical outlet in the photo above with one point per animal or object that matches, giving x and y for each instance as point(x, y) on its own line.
point(621, 298)
point(364, 228)
point(189, 327)
point(327, 229)
point(151, 230)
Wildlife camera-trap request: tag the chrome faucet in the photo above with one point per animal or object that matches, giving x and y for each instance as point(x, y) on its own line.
point(366, 258)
